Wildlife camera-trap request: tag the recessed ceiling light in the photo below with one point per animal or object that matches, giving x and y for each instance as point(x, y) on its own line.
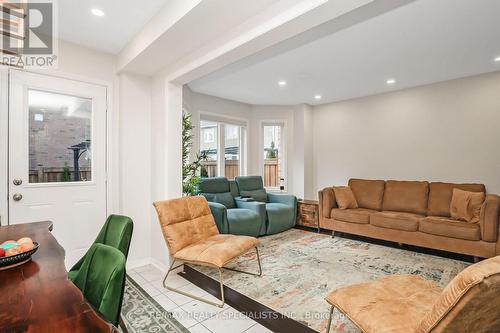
point(318, 97)
point(282, 83)
point(497, 59)
point(391, 81)
point(97, 12)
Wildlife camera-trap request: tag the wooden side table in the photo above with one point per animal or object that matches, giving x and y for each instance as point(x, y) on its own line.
point(308, 213)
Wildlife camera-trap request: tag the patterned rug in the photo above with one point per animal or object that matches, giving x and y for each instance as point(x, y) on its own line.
point(300, 268)
point(141, 313)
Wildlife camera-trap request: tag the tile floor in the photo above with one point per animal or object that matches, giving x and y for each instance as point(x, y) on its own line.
point(198, 317)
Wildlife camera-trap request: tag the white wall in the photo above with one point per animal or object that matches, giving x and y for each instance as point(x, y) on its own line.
point(135, 161)
point(442, 132)
point(129, 107)
point(298, 142)
point(166, 162)
point(197, 104)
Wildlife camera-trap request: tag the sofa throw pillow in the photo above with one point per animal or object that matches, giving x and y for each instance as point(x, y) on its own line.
point(344, 197)
point(466, 206)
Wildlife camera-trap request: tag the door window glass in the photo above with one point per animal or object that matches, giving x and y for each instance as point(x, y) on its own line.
point(60, 131)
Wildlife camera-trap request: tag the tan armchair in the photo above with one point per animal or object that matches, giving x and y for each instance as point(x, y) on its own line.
point(192, 237)
point(408, 303)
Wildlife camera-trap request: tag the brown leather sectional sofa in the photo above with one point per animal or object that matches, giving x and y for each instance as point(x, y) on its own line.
point(415, 213)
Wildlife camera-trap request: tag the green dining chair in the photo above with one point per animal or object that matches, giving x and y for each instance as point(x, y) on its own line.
point(101, 278)
point(116, 232)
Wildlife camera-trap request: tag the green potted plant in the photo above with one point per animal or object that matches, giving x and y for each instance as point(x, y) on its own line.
point(190, 170)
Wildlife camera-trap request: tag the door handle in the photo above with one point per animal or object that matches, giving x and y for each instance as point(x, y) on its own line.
point(17, 197)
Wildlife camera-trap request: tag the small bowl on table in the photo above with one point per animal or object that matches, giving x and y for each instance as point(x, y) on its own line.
point(18, 259)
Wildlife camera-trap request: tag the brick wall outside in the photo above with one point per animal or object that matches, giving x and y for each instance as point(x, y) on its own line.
point(49, 139)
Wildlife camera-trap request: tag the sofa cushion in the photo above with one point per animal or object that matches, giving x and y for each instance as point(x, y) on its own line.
point(395, 303)
point(396, 220)
point(280, 217)
point(469, 303)
point(214, 185)
point(368, 193)
point(344, 197)
point(244, 222)
point(225, 199)
point(356, 215)
point(406, 196)
point(440, 195)
point(442, 226)
point(258, 195)
point(466, 206)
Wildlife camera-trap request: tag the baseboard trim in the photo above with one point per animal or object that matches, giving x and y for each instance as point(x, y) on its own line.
point(159, 264)
point(131, 264)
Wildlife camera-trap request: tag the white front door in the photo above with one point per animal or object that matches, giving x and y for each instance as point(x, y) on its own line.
point(57, 157)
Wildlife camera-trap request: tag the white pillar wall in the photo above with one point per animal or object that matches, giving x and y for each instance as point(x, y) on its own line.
point(166, 163)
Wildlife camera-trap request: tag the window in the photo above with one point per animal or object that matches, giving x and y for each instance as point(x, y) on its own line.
point(209, 135)
point(209, 147)
point(273, 155)
point(60, 132)
point(217, 137)
point(232, 151)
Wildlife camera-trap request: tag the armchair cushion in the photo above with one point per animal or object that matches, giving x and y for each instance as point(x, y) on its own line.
point(217, 250)
point(185, 221)
point(192, 236)
point(394, 304)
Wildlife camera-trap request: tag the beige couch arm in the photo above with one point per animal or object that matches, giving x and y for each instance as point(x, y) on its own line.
point(326, 201)
point(489, 218)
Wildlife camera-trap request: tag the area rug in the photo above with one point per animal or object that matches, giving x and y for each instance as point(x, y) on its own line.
point(300, 268)
point(141, 313)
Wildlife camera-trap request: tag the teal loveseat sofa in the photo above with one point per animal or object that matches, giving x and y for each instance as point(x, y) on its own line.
point(232, 214)
point(281, 209)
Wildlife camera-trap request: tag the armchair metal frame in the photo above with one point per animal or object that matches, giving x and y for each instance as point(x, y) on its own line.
point(223, 300)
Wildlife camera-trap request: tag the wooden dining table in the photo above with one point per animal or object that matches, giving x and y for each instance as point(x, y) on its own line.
point(38, 296)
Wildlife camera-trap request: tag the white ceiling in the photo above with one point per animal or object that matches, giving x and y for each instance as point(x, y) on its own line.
point(423, 42)
point(123, 20)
